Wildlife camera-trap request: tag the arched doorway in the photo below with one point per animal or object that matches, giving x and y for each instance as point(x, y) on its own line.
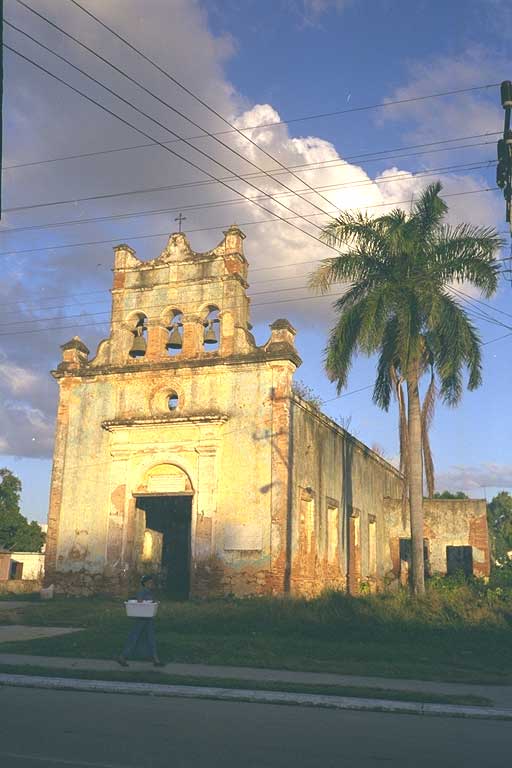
point(165, 500)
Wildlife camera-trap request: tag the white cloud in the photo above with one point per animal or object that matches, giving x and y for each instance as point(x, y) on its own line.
point(179, 38)
point(464, 114)
point(16, 379)
point(472, 478)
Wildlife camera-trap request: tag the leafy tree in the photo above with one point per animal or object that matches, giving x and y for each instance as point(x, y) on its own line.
point(499, 520)
point(16, 533)
point(450, 495)
point(399, 268)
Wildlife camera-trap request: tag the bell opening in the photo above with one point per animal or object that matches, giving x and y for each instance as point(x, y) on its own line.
point(174, 343)
point(211, 333)
point(139, 344)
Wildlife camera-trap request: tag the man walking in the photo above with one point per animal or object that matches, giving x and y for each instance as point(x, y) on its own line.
point(143, 631)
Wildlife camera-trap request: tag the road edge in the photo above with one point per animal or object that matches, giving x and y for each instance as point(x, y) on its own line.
point(256, 697)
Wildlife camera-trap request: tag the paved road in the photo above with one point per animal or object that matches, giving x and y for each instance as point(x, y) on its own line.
point(55, 729)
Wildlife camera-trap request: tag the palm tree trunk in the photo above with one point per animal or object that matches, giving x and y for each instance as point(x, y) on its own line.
point(415, 480)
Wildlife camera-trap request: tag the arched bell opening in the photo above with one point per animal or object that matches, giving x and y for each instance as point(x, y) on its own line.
point(174, 343)
point(211, 330)
point(140, 335)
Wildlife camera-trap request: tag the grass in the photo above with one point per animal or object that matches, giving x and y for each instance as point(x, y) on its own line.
point(150, 676)
point(456, 632)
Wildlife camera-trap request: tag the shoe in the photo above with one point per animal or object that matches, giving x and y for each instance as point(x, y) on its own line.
point(122, 661)
point(158, 663)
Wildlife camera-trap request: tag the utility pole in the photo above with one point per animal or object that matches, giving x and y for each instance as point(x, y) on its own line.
point(1, 92)
point(504, 167)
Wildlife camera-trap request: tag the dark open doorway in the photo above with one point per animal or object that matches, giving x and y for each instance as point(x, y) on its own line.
point(172, 516)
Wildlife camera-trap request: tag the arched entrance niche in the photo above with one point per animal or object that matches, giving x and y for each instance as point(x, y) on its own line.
point(166, 479)
point(164, 500)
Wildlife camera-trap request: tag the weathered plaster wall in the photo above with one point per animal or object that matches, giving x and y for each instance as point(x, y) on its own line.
point(448, 522)
point(33, 564)
point(220, 435)
point(337, 506)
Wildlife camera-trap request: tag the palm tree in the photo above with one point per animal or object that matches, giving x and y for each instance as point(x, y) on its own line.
point(398, 305)
point(427, 414)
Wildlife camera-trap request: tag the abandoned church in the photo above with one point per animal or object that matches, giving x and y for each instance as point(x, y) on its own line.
point(181, 448)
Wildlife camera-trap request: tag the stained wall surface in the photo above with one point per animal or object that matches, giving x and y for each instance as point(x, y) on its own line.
point(448, 523)
point(337, 506)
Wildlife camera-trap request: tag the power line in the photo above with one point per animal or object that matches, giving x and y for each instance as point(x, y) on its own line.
point(160, 211)
point(499, 338)
point(256, 304)
point(168, 106)
point(479, 315)
point(103, 323)
point(199, 206)
point(168, 149)
point(184, 88)
point(480, 301)
point(477, 304)
point(465, 297)
point(183, 305)
point(351, 109)
point(87, 243)
point(192, 122)
point(289, 121)
point(252, 270)
point(364, 156)
point(346, 394)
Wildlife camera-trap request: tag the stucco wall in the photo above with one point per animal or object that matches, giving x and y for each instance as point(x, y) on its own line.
point(336, 471)
point(33, 564)
point(448, 522)
point(220, 435)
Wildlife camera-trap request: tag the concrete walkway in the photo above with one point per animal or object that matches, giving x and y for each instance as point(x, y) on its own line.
point(500, 695)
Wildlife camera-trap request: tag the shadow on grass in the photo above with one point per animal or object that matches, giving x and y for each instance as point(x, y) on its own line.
point(460, 634)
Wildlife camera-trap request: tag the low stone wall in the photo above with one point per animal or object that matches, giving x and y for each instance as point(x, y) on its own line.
point(20, 586)
point(85, 584)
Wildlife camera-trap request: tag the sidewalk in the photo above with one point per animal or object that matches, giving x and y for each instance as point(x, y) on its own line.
point(500, 695)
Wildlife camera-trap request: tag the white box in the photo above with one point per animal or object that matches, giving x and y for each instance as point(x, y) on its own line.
point(144, 610)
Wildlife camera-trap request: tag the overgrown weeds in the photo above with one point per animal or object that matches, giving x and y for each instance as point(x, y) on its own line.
point(458, 630)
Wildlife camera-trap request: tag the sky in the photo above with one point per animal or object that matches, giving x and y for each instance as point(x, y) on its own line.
point(317, 82)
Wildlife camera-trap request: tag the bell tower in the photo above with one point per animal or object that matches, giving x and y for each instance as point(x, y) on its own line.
point(181, 305)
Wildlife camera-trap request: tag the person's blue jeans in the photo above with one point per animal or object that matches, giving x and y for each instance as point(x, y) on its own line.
point(142, 636)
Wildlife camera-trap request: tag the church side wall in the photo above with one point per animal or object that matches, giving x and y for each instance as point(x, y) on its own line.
point(337, 506)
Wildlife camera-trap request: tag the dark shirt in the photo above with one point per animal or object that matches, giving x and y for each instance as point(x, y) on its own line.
point(145, 593)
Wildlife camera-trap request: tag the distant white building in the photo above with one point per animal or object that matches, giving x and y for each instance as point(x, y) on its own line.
point(32, 564)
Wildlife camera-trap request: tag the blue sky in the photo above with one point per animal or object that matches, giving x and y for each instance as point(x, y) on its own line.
point(256, 62)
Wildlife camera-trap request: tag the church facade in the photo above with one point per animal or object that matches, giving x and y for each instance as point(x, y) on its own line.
point(182, 449)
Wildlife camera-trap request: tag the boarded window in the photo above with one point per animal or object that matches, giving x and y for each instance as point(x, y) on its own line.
point(406, 554)
point(372, 548)
point(307, 519)
point(459, 560)
point(332, 532)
